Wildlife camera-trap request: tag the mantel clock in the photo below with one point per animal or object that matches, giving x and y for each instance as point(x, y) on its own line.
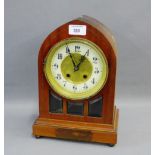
point(76, 73)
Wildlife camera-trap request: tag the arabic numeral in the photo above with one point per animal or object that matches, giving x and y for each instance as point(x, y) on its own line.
point(65, 82)
point(55, 66)
point(67, 49)
point(77, 48)
point(95, 60)
point(58, 76)
point(96, 70)
point(59, 55)
point(87, 53)
point(93, 81)
point(85, 86)
point(76, 30)
point(74, 87)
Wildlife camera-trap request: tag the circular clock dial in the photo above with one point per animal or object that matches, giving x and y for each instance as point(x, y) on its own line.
point(76, 68)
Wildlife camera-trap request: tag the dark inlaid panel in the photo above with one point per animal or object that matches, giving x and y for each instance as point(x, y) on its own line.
point(95, 107)
point(75, 108)
point(55, 104)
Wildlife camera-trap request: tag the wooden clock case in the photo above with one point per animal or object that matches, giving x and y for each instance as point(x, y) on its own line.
point(83, 128)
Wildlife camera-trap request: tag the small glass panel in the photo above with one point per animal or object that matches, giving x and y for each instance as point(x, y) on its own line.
point(75, 108)
point(95, 107)
point(55, 104)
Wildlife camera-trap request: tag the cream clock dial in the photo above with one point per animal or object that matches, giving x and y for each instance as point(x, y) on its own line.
point(76, 68)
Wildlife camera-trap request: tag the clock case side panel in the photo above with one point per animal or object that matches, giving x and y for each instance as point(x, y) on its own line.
point(94, 35)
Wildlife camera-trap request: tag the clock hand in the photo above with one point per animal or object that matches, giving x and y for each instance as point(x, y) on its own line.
point(68, 50)
point(82, 59)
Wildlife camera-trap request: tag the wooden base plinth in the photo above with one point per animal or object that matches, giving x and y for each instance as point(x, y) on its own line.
point(81, 131)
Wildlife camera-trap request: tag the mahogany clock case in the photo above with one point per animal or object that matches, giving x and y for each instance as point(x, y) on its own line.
point(65, 125)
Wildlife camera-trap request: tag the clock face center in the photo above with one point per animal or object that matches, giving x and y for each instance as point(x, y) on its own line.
point(79, 73)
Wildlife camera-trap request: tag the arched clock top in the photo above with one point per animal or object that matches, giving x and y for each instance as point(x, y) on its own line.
point(96, 32)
